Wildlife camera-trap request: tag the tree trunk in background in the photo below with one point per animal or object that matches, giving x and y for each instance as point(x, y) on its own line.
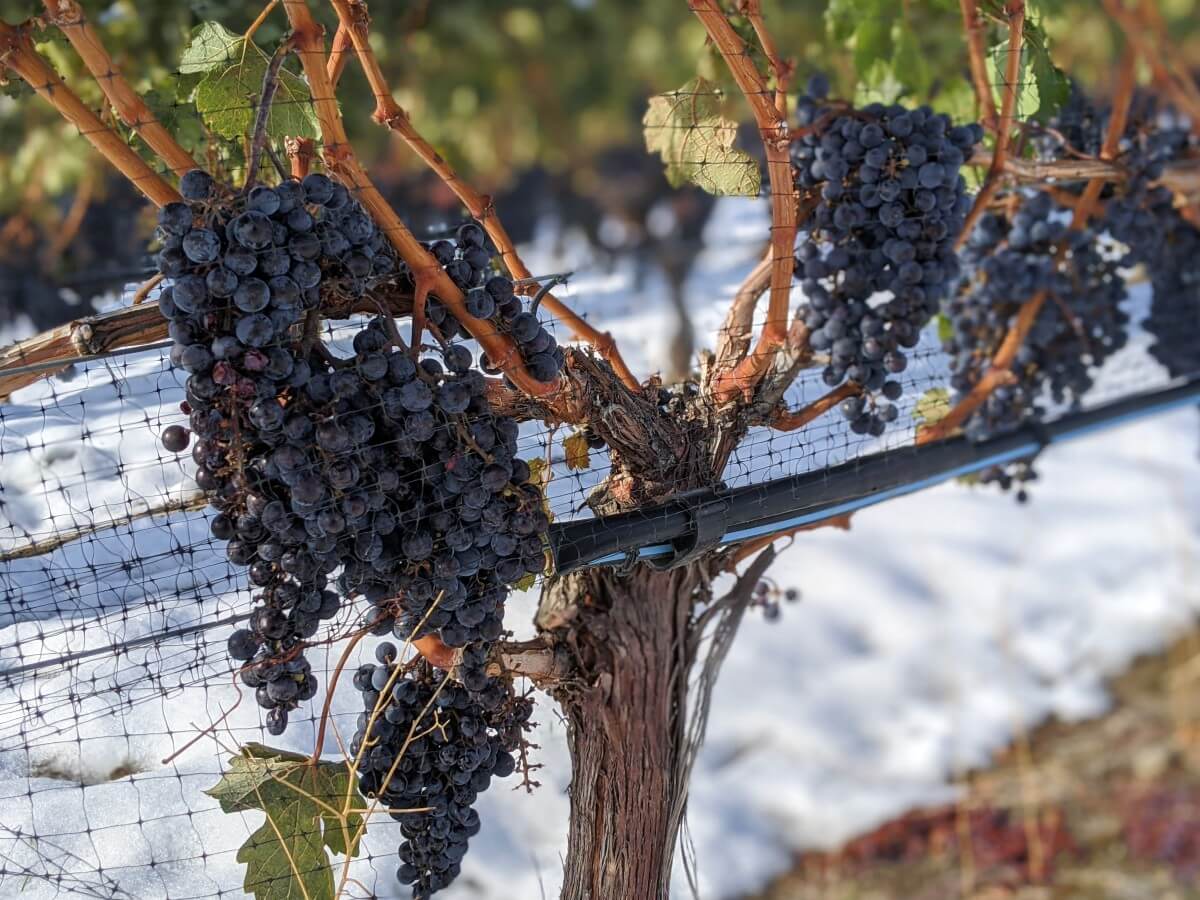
point(626, 724)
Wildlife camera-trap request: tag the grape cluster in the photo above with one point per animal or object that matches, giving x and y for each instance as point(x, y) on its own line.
point(1135, 209)
point(1079, 325)
point(876, 255)
point(1174, 319)
point(434, 745)
point(1017, 474)
point(1141, 215)
point(491, 296)
point(766, 597)
point(378, 475)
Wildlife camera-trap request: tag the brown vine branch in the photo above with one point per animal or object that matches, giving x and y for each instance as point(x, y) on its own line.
point(733, 340)
point(339, 54)
point(1000, 370)
point(790, 421)
point(300, 152)
point(743, 378)
point(17, 53)
point(354, 20)
point(341, 160)
point(262, 114)
point(1181, 176)
point(73, 221)
point(976, 33)
point(1171, 73)
point(1004, 126)
point(538, 660)
point(69, 17)
point(67, 536)
point(782, 70)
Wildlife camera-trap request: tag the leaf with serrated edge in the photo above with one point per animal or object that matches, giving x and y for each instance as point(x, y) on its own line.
point(695, 142)
point(264, 777)
point(213, 46)
point(285, 858)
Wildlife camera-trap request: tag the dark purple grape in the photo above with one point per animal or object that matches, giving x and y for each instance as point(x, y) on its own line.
point(175, 438)
point(175, 218)
point(196, 184)
point(263, 199)
point(318, 188)
point(252, 296)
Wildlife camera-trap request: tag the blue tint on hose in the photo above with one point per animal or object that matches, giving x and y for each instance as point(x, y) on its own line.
point(1022, 452)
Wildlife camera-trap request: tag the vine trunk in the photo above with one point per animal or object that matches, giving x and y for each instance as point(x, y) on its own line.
point(626, 723)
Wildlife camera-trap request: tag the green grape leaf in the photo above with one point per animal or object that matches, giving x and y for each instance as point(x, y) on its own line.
point(227, 99)
point(1043, 88)
point(878, 85)
point(1054, 88)
point(933, 406)
point(872, 41)
point(286, 857)
point(686, 128)
point(843, 17)
point(213, 46)
point(910, 64)
point(1028, 98)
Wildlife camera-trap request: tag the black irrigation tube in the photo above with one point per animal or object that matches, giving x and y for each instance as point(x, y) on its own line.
point(705, 519)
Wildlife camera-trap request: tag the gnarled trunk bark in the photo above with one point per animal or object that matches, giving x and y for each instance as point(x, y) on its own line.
point(626, 724)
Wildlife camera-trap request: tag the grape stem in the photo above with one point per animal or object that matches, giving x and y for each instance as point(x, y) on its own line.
point(975, 30)
point(743, 378)
point(337, 673)
point(1000, 371)
point(258, 136)
point(1004, 125)
point(69, 17)
point(341, 160)
point(144, 289)
point(354, 20)
point(17, 53)
point(791, 421)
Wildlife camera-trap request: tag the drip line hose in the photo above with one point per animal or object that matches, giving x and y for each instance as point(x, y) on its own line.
point(682, 528)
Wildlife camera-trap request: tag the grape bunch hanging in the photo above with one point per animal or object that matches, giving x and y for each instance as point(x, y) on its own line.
point(876, 254)
point(384, 475)
point(435, 745)
point(1010, 260)
point(1140, 214)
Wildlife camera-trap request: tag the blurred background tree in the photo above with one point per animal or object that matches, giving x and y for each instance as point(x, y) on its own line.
point(537, 101)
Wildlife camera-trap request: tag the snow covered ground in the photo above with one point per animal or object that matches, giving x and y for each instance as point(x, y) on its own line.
point(927, 634)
